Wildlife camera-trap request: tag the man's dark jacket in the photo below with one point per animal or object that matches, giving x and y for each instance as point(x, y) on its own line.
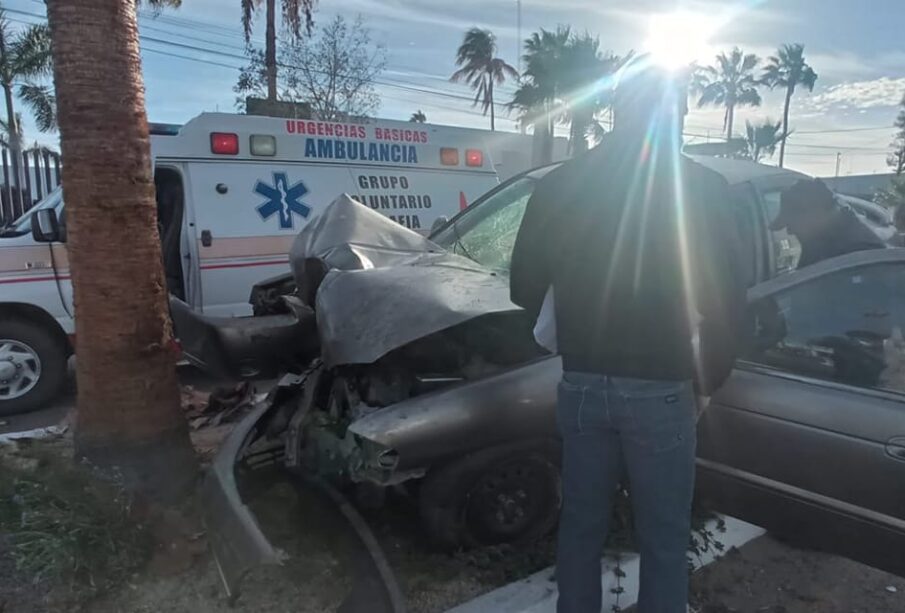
point(636, 247)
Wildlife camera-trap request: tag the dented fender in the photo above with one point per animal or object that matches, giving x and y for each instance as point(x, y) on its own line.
point(408, 437)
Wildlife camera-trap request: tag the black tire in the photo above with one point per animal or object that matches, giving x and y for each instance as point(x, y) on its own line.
point(51, 351)
point(507, 494)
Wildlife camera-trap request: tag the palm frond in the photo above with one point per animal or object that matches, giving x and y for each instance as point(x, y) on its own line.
point(43, 104)
point(248, 16)
point(749, 97)
point(157, 6)
point(30, 54)
point(297, 11)
point(808, 78)
point(713, 93)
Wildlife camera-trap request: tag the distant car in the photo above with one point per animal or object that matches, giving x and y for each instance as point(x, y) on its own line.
point(426, 375)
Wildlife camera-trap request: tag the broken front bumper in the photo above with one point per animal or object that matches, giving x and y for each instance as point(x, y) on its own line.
point(237, 541)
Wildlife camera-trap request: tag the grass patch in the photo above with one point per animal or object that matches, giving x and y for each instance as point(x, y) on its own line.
point(66, 529)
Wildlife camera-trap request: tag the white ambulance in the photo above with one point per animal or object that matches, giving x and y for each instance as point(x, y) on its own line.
point(232, 192)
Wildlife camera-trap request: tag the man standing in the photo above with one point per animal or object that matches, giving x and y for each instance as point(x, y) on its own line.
point(825, 230)
point(637, 243)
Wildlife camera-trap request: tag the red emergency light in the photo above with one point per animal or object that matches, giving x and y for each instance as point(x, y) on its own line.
point(474, 157)
point(224, 143)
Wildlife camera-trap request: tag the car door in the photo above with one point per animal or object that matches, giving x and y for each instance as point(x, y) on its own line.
point(807, 438)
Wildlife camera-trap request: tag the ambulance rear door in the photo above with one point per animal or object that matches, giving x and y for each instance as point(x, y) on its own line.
point(247, 214)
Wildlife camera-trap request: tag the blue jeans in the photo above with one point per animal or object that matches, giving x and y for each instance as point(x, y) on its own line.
point(611, 426)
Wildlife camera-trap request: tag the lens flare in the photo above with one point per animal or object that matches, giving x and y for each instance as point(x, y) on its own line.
point(676, 40)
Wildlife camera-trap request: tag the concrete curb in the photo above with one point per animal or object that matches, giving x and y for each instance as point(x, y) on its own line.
point(537, 593)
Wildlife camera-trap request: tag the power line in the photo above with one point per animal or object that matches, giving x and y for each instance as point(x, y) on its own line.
point(402, 85)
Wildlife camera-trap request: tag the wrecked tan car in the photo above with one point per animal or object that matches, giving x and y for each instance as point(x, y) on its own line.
point(395, 350)
point(407, 366)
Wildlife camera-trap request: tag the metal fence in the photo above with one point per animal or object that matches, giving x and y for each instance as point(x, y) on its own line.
point(40, 175)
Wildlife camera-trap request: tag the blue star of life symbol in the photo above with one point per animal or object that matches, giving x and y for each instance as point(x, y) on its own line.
point(282, 199)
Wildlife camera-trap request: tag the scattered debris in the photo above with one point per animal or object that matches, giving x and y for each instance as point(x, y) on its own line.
point(223, 405)
point(36, 434)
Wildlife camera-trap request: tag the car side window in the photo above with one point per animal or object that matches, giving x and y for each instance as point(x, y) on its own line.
point(845, 327)
point(786, 248)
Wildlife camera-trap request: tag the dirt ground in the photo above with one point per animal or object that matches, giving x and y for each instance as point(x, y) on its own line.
point(763, 576)
point(766, 576)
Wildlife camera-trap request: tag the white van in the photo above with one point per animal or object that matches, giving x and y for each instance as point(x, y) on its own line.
point(232, 192)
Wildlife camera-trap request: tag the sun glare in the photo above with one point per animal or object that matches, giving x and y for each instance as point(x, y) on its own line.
point(675, 40)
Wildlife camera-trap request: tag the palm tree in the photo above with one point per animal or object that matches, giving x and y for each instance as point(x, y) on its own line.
point(418, 117)
point(24, 58)
point(129, 412)
point(481, 69)
point(788, 69)
point(584, 87)
point(538, 97)
point(530, 103)
point(294, 13)
point(731, 83)
point(762, 139)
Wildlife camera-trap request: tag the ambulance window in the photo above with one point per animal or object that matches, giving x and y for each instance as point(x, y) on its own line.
point(487, 234)
point(53, 200)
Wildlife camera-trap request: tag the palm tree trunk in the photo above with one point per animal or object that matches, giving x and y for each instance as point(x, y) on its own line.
point(15, 133)
point(15, 149)
point(270, 51)
point(785, 127)
point(730, 122)
point(581, 119)
point(129, 412)
point(551, 138)
point(490, 97)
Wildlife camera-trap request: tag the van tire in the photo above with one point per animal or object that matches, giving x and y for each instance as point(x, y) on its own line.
point(52, 353)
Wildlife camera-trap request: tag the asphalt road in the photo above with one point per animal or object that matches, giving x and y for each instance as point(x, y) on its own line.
point(49, 416)
point(56, 412)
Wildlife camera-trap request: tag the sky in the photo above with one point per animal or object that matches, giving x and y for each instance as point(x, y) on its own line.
point(191, 58)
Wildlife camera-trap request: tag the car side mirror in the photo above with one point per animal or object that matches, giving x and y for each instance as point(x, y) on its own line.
point(45, 226)
point(441, 221)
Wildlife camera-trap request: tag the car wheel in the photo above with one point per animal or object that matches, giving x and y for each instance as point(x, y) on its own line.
point(32, 366)
point(499, 495)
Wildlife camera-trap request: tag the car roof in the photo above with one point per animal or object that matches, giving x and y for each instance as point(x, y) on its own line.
point(734, 171)
point(740, 171)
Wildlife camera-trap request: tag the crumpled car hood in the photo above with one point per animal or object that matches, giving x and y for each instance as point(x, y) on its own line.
point(388, 285)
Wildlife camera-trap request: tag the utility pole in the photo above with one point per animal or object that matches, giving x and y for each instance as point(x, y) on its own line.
point(838, 162)
point(518, 44)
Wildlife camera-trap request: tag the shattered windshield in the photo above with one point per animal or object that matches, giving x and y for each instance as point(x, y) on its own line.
point(486, 234)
